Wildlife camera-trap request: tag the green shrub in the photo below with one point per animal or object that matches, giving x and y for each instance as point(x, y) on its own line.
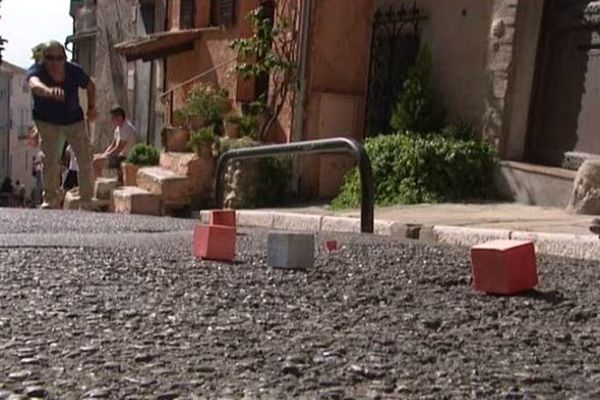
point(249, 125)
point(201, 137)
point(206, 101)
point(410, 169)
point(419, 109)
point(226, 144)
point(269, 186)
point(461, 131)
point(144, 155)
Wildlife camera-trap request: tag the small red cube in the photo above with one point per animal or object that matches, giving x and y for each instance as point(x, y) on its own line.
point(222, 217)
point(330, 245)
point(214, 242)
point(504, 267)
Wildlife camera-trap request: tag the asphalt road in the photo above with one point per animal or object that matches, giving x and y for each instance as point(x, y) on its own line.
point(114, 307)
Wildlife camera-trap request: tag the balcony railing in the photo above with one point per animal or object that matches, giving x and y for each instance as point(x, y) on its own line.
point(168, 97)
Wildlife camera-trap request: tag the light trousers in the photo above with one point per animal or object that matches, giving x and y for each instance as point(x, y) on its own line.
point(77, 136)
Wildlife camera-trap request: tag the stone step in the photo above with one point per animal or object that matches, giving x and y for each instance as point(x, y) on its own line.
point(200, 171)
point(172, 188)
point(73, 202)
point(134, 200)
point(103, 188)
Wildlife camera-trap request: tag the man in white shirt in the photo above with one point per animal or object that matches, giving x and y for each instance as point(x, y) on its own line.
point(125, 137)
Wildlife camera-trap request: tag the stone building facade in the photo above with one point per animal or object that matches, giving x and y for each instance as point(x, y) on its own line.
point(497, 66)
point(16, 158)
point(98, 26)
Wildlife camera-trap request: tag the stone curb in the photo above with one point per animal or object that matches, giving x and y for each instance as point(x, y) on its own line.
point(585, 247)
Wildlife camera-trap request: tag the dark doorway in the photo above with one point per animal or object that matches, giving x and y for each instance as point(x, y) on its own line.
point(566, 107)
point(394, 48)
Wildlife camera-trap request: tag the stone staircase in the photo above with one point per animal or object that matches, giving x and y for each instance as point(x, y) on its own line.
point(181, 182)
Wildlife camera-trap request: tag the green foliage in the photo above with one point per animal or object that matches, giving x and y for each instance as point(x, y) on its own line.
point(180, 117)
point(461, 131)
point(202, 137)
point(410, 169)
point(269, 186)
point(257, 51)
point(249, 126)
point(206, 101)
point(144, 155)
point(233, 119)
point(226, 144)
point(270, 51)
point(419, 109)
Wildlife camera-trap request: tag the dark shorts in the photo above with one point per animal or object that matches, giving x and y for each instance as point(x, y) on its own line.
point(115, 161)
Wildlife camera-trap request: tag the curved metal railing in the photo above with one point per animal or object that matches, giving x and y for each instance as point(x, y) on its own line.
point(324, 146)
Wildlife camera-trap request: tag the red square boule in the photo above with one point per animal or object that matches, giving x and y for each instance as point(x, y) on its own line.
point(214, 242)
point(504, 267)
point(330, 245)
point(222, 217)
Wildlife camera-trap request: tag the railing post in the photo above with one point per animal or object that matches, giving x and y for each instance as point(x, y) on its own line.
point(334, 145)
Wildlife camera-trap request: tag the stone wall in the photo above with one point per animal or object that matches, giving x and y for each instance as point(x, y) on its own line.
point(499, 69)
point(114, 23)
point(240, 184)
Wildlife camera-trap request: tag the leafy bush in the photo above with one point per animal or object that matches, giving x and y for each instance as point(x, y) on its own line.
point(201, 137)
point(410, 169)
point(226, 144)
point(249, 126)
point(419, 109)
point(461, 131)
point(180, 118)
point(271, 189)
point(264, 181)
point(206, 101)
point(144, 155)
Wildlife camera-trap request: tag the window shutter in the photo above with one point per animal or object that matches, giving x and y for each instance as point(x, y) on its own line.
point(227, 12)
point(186, 14)
point(222, 12)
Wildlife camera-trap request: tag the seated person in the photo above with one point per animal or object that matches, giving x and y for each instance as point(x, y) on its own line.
point(124, 139)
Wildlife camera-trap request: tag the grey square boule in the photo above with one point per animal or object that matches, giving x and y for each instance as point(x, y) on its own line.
point(291, 250)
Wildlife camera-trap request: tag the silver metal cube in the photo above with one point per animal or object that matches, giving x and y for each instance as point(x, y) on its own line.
point(291, 250)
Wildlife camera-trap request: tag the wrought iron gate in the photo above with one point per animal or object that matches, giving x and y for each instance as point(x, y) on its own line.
point(394, 47)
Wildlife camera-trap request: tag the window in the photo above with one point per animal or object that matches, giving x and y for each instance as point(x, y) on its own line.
point(186, 14)
point(222, 12)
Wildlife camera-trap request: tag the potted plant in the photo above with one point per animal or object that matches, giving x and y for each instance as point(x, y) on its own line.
point(180, 118)
point(232, 126)
point(249, 126)
point(204, 105)
point(175, 138)
point(201, 141)
point(141, 155)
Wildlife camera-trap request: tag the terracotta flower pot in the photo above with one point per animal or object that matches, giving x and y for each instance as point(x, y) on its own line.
point(227, 105)
point(205, 150)
point(197, 122)
point(177, 140)
point(129, 174)
point(232, 130)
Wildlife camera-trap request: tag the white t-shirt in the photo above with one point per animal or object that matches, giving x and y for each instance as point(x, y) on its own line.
point(127, 133)
point(73, 165)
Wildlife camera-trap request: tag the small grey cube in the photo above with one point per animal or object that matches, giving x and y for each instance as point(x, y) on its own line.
point(291, 250)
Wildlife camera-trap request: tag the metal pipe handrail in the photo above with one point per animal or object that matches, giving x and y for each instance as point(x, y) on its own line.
point(334, 145)
point(196, 77)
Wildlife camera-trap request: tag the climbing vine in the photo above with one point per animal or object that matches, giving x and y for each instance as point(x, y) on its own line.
point(271, 50)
